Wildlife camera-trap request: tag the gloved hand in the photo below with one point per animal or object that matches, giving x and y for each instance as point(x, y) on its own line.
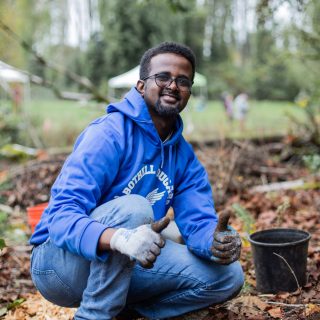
point(142, 243)
point(226, 246)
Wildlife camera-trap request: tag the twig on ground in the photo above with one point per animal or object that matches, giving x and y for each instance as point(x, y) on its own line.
point(276, 186)
point(295, 277)
point(286, 262)
point(286, 304)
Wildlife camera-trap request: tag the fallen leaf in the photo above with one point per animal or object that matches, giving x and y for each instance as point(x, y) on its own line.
point(275, 313)
point(245, 302)
point(312, 309)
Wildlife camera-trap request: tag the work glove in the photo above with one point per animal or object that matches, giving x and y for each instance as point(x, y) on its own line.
point(142, 244)
point(226, 246)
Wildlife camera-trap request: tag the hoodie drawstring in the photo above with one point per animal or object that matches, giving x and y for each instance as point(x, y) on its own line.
point(162, 156)
point(170, 159)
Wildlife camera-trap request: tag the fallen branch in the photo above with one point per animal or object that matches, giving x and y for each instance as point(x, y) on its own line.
point(286, 304)
point(278, 186)
point(270, 170)
point(287, 185)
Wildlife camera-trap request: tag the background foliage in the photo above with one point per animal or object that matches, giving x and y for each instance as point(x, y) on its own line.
point(267, 48)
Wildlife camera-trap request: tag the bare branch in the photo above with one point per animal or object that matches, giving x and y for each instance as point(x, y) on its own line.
point(82, 81)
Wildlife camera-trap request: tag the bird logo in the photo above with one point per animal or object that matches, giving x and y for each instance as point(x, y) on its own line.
point(155, 196)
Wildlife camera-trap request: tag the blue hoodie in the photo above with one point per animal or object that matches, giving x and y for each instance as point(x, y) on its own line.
point(121, 153)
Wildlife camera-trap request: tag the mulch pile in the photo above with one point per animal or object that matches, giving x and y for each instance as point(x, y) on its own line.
point(233, 168)
point(30, 184)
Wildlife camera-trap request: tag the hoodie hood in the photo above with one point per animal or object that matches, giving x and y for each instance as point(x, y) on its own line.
point(135, 108)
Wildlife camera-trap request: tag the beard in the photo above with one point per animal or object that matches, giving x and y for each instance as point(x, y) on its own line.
point(166, 111)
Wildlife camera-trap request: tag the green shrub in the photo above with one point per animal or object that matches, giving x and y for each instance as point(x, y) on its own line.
point(9, 126)
point(312, 162)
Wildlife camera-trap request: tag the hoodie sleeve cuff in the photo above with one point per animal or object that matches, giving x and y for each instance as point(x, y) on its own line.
point(202, 248)
point(89, 242)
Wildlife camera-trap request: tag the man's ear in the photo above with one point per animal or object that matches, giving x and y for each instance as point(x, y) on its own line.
point(140, 87)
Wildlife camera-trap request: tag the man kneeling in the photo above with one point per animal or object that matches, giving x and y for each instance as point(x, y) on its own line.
point(99, 246)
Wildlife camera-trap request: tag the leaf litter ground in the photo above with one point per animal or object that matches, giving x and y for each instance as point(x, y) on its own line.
point(234, 169)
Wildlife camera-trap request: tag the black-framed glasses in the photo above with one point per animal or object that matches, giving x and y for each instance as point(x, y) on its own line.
point(164, 80)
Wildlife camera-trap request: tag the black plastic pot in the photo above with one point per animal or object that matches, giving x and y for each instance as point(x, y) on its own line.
point(273, 250)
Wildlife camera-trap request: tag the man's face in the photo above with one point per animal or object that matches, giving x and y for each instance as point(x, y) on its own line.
point(170, 100)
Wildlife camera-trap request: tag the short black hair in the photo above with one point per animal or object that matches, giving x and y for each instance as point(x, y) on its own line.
point(166, 47)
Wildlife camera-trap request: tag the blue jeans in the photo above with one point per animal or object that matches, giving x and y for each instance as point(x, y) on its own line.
point(178, 283)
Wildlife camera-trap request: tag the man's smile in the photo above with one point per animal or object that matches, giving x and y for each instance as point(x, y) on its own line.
point(170, 97)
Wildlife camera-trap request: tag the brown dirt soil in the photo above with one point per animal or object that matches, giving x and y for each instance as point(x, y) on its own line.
point(233, 170)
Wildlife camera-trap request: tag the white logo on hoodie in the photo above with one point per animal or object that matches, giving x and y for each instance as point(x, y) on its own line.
point(154, 195)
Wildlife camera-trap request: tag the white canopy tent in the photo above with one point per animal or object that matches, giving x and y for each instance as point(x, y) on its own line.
point(10, 75)
point(130, 78)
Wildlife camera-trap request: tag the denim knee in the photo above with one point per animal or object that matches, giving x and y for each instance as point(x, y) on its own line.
point(219, 289)
point(229, 285)
point(139, 207)
point(235, 279)
point(128, 211)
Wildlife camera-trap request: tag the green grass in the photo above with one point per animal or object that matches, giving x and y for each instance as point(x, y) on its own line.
point(265, 118)
point(59, 122)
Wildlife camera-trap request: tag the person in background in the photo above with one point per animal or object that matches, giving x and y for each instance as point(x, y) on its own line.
point(17, 97)
point(100, 245)
point(241, 108)
point(227, 99)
